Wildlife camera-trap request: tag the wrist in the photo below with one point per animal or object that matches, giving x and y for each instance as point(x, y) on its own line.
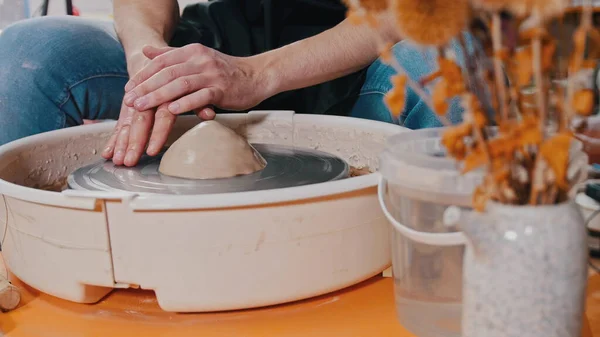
point(136, 59)
point(135, 62)
point(266, 75)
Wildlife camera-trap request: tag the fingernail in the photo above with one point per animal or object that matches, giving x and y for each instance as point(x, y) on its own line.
point(129, 98)
point(152, 148)
point(173, 107)
point(130, 85)
point(130, 157)
point(119, 154)
point(209, 113)
point(107, 150)
point(140, 103)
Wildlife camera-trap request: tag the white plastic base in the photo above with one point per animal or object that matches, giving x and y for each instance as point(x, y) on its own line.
point(198, 253)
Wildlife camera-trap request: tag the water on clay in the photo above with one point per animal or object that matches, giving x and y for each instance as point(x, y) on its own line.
point(286, 167)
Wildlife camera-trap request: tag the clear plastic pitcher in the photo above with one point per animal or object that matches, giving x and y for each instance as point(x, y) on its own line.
point(12, 11)
point(418, 183)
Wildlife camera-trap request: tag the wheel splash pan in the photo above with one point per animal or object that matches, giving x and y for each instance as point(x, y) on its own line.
point(287, 166)
point(209, 252)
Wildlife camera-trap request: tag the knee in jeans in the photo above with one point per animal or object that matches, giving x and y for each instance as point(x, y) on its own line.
point(43, 39)
point(57, 43)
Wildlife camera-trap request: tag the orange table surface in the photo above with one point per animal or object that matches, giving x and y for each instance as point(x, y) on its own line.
point(366, 309)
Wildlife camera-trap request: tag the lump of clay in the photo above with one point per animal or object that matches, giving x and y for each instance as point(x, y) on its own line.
point(209, 151)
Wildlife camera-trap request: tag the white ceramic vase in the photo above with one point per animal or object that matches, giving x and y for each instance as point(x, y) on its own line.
point(525, 271)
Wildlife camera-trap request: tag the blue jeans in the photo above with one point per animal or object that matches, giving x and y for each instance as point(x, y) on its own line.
point(56, 72)
point(417, 63)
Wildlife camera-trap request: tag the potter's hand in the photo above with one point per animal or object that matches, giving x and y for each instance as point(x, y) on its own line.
point(194, 77)
point(135, 128)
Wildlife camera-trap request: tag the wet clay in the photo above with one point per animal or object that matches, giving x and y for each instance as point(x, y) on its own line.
point(210, 150)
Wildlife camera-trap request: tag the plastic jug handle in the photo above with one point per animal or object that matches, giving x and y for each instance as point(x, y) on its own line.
point(435, 239)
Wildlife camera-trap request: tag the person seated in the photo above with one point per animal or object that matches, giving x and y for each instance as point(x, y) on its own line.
point(224, 55)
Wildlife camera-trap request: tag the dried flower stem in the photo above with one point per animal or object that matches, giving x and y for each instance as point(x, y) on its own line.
point(535, 174)
point(466, 102)
point(538, 77)
point(498, 73)
point(586, 25)
point(552, 194)
point(473, 76)
point(541, 105)
point(419, 91)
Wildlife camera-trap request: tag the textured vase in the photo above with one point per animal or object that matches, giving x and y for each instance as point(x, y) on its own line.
point(525, 271)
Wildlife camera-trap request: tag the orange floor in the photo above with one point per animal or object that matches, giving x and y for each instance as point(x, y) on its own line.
point(364, 310)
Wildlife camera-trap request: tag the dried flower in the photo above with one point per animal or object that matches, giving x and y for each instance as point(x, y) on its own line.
point(431, 22)
point(522, 164)
point(453, 140)
point(547, 8)
point(452, 73)
point(396, 98)
point(523, 66)
point(583, 102)
point(480, 198)
point(555, 152)
point(476, 158)
point(528, 131)
point(439, 96)
point(386, 53)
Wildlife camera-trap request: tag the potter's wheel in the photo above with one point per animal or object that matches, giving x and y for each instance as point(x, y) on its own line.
point(286, 167)
point(204, 252)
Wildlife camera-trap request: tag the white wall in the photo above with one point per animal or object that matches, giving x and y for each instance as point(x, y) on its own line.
point(95, 8)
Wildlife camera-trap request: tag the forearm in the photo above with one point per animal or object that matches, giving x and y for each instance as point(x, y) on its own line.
point(142, 22)
point(337, 52)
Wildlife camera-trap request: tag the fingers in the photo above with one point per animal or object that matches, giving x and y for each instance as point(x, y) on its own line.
point(109, 148)
point(206, 114)
point(171, 91)
point(157, 64)
point(169, 58)
point(138, 136)
point(124, 118)
point(118, 157)
point(170, 74)
point(202, 97)
point(151, 52)
point(163, 124)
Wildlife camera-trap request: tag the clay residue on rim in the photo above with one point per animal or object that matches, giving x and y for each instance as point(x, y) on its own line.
point(359, 171)
point(47, 166)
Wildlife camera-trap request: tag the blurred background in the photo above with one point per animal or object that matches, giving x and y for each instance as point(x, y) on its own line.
point(13, 10)
point(101, 8)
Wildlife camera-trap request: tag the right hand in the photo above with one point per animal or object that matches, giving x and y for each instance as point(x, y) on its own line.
point(136, 129)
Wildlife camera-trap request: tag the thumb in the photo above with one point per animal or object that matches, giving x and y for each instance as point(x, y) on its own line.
point(205, 114)
point(152, 52)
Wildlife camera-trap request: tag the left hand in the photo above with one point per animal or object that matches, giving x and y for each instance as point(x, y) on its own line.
point(194, 77)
